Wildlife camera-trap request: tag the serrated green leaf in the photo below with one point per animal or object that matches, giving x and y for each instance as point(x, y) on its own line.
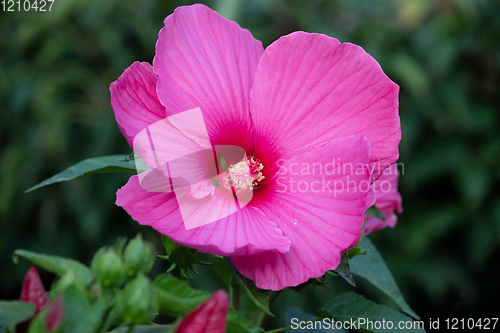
point(237, 324)
point(259, 297)
point(178, 254)
point(57, 265)
point(353, 308)
point(87, 167)
point(80, 316)
point(373, 268)
point(15, 312)
point(344, 269)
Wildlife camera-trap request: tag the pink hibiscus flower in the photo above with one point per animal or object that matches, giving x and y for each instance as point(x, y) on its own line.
point(304, 103)
point(388, 200)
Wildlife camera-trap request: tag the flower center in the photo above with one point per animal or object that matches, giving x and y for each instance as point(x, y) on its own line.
point(246, 174)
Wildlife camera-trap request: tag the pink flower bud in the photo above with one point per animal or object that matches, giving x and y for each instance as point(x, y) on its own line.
point(55, 315)
point(33, 291)
point(209, 317)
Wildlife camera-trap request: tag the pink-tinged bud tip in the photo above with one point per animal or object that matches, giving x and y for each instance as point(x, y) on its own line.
point(33, 291)
point(209, 317)
point(55, 315)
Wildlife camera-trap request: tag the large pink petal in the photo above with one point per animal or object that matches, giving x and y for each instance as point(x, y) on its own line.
point(134, 100)
point(310, 89)
point(321, 222)
point(388, 200)
point(374, 223)
point(245, 232)
point(176, 146)
point(204, 60)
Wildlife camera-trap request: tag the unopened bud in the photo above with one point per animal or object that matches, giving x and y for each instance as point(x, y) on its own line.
point(139, 256)
point(33, 291)
point(136, 303)
point(55, 315)
point(107, 267)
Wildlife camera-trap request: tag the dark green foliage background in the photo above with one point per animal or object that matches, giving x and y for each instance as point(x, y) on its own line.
point(56, 67)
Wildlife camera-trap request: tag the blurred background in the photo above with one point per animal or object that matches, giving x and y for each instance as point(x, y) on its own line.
point(56, 67)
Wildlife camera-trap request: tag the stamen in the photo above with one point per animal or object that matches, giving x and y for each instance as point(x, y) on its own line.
point(246, 174)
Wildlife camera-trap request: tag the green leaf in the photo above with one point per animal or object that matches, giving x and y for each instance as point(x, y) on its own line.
point(15, 312)
point(237, 324)
point(167, 244)
point(55, 264)
point(144, 329)
point(344, 269)
point(183, 256)
point(178, 299)
point(220, 268)
point(80, 316)
point(375, 212)
point(88, 167)
point(37, 324)
point(259, 297)
point(373, 268)
point(178, 254)
point(356, 251)
point(351, 307)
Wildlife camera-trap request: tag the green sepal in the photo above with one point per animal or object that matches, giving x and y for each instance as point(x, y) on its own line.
point(344, 269)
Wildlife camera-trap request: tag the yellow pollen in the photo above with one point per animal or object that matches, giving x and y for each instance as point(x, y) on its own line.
point(246, 174)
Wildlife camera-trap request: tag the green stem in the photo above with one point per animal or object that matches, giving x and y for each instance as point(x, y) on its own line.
point(273, 296)
point(231, 290)
point(260, 318)
point(255, 315)
point(234, 293)
point(107, 321)
point(259, 315)
point(236, 299)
